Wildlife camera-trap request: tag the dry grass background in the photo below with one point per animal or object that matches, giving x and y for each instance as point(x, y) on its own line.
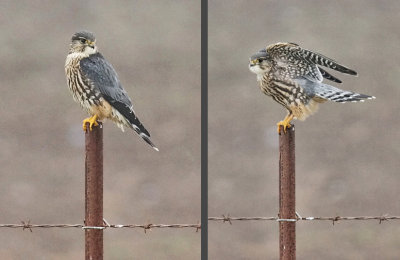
point(155, 48)
point(347, 154)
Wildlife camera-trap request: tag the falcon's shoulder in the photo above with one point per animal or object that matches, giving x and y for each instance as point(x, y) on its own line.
point(282, 50)
point(102, 76)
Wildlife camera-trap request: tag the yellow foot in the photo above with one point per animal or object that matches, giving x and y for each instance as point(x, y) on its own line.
point(92, 121)
point(285, 125)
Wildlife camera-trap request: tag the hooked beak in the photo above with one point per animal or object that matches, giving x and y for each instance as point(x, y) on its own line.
point(253, 62)
point(91, 44)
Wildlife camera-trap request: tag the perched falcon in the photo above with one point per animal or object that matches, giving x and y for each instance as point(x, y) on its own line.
point(94, 84)
point(292, 76)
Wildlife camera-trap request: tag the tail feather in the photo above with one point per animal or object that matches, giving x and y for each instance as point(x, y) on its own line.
point(144, 136)
point(320, 91)
point(339, 95)
point(129, 114)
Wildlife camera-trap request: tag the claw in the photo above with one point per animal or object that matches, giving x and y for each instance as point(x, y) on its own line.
point(285, 123)
point(92, 121)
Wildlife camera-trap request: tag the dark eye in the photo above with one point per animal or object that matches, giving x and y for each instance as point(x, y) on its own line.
point(83, 41)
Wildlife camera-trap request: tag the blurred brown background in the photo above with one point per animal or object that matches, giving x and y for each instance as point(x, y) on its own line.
point(155, 48)
point(347, 155)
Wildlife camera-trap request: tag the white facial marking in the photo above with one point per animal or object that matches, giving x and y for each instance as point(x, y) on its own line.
point(89, 50)
point(256, 69)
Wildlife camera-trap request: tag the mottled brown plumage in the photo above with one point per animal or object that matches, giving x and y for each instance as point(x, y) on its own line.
point(291, 76)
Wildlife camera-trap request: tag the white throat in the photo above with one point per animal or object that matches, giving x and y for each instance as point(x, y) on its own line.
point(89, 51)
point(80, 55)
point(258, 71)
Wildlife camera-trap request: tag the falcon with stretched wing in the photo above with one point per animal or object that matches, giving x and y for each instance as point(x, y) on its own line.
point(293, 77)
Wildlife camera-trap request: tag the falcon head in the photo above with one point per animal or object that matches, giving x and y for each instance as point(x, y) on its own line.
point(83, 42)
point(259, 62)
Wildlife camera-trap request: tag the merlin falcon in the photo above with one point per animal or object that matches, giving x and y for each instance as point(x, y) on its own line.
point(95, 85)
point(292, 76)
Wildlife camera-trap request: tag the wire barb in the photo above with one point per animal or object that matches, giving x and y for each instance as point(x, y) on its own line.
point(26, 225)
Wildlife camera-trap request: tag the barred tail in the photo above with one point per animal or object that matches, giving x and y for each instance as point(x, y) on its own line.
point(144, 136)
point(132, 120)
point(142, 132)
point(339, 95)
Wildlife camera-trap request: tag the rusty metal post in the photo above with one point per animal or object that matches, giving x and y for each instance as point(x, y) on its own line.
point(94, 192)
point(287, 195)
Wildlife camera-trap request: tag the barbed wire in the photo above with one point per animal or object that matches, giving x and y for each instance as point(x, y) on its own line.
point(227, 218)
point(27, 225)
point(224, 218)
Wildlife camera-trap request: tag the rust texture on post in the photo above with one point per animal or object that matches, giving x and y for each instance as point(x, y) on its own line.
point(94, 192)
point(287, 198)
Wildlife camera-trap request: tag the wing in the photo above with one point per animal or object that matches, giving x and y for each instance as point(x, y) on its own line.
point(102, 75)
point(300, 62)
point(328, 76)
